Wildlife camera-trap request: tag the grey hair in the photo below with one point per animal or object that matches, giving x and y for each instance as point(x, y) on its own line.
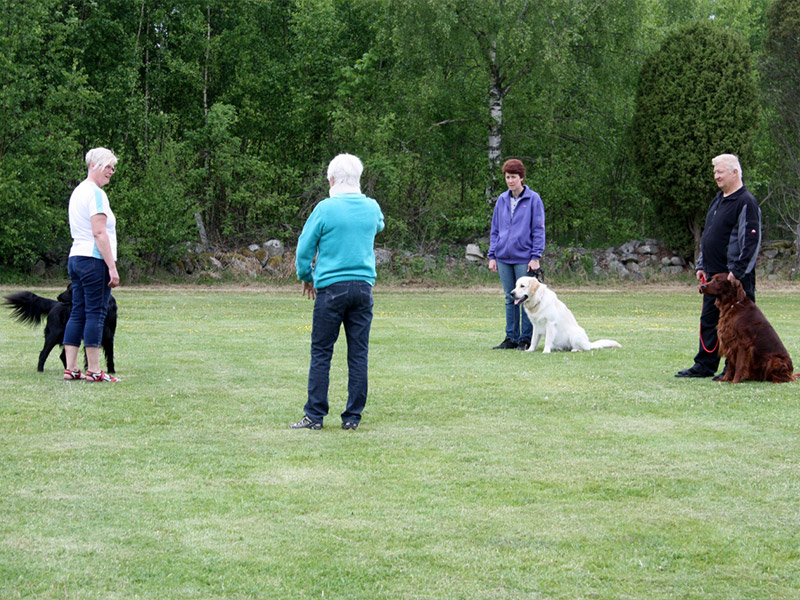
point(346, 168)
point(100, 158)
point(729, 160)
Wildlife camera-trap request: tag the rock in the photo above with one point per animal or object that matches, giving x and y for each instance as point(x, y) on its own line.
point(383, 256)
point(672, 270)
point(244, 265)
point(38, 268)
point(617, 268)
point(262, 255)
point(275, 261)
point(473, 253)
point(273, 247)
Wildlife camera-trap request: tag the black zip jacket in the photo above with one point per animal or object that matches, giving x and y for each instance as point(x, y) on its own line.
point(732, 235)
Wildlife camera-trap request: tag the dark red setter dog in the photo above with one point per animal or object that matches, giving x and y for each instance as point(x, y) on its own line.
point(750, 344)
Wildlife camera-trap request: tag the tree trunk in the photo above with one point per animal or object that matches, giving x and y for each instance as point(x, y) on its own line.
point(201, 229)
point(697, 234)
point(198, 216)
point(496, 95)
point(797, 248)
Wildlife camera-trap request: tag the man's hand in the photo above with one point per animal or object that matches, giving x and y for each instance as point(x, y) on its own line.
point(701, 275)
point(731, 277)
point(493, 265)
point(308, 290)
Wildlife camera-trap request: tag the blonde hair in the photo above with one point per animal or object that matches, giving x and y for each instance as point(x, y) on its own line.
point(729, 160)
point(100, 158)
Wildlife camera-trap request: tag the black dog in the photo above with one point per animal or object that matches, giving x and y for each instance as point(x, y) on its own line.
point(28, 308)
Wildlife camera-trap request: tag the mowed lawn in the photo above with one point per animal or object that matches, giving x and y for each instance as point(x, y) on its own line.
point(476, 474)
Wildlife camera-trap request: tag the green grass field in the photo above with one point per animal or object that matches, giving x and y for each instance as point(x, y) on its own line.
point(476, 474)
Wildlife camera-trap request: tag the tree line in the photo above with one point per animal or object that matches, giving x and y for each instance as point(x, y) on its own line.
point(224, 115)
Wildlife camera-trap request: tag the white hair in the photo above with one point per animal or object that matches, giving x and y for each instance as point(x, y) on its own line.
point(346, 168)
point(729, 160)
point(100, 158)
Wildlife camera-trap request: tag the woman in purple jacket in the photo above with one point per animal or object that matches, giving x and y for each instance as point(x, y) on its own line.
point(516, 244)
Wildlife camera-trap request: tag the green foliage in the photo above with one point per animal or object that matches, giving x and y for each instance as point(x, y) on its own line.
point(696, 99)
point(250, 100)
point(780, 67)
point(42, 98)
point(152, 206)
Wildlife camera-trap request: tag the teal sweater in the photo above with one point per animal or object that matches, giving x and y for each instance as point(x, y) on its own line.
point(341, 233)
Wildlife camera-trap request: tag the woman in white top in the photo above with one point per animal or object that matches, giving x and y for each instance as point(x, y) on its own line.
point(92, 266)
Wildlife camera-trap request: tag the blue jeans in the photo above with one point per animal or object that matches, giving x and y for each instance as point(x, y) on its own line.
point(347, 303)
point(518, 326)
point(90, 295)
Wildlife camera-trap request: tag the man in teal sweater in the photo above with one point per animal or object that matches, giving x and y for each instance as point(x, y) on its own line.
point(340, 233)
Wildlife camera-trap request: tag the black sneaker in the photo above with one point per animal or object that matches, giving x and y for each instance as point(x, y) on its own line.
point(306, 423)
point(506, 344)
point(351, 425)
point(694, 371)
point(524, 345)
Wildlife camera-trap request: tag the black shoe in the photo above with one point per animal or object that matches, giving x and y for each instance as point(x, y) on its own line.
point(506, 344)
point(351, 425)
point(524, 345)
point(694, 371)
point(306, 423)
point(719, 377)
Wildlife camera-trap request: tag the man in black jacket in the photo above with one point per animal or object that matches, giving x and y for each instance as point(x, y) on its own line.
point(730, 243)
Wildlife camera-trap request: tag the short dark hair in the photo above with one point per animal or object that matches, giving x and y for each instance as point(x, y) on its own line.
point(515, 167)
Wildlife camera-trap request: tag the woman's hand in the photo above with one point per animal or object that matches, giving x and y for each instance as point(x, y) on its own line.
point(114, 277)
point(493, 265)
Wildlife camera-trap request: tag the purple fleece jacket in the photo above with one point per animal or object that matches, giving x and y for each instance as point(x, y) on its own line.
point(517, 240)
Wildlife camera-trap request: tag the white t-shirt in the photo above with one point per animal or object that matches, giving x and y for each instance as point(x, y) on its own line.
point(86, 201)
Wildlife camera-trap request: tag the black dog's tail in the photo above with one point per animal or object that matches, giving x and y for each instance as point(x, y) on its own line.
point(28, 308)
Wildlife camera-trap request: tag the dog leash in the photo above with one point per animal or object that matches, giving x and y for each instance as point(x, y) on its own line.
point(714, 349)
point(538, 273)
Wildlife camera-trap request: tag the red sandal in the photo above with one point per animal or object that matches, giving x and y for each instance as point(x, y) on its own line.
point(98, 377)
point(70, 375)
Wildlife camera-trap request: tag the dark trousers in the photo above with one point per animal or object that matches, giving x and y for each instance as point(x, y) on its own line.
point(90, 296)
point(347, 303)
point(707, 356)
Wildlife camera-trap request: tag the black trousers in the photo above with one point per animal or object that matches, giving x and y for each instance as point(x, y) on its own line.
point(707, 357)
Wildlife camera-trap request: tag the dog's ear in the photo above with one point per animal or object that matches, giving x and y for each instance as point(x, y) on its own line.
point(738, 290)
point(66, 296)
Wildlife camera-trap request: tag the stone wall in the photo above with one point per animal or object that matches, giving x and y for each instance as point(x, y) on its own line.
point(636, 260)
point(645, 259)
